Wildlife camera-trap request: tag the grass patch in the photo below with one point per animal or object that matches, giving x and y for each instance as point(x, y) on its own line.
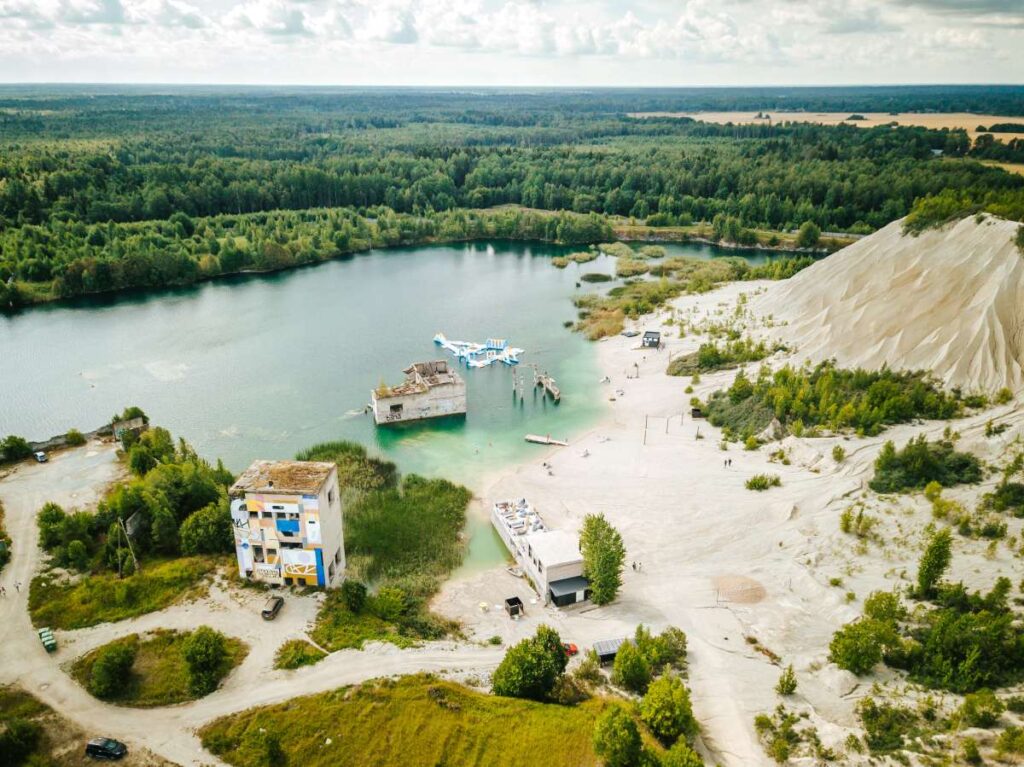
point(580, 257)
point(402, 539)
point(375, 723)
point(631, 267)
point(101, 598)
point(296, 653)
point(762, 482)
point(159, 675)
point(596, 277)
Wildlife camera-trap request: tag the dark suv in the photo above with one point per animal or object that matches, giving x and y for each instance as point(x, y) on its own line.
point(105, 748)
point(272, 608)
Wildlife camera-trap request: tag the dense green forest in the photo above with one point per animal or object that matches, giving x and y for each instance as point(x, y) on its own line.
point(102, 190)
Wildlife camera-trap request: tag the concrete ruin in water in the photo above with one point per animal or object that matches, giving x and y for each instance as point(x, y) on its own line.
point(430, 390)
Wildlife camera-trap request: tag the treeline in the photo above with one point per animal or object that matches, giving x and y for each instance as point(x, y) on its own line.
point(70, 259)
point(673, 171)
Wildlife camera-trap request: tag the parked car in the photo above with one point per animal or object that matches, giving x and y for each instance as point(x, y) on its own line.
point(272, 608)
point(40, 456)
point(570, 649)
point(105, 748)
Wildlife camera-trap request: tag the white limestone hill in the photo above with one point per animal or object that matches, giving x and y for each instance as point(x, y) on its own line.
point(950, 301)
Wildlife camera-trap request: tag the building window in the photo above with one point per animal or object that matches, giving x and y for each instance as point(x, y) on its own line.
point(337, 556)
point(257, 553)
point(281, 515)
point(254, 515)
point(293, 515)
point(267, 515)
point(330, 495)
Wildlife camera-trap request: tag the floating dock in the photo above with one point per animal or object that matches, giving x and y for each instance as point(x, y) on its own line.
point(537, 439)
point(480, 355)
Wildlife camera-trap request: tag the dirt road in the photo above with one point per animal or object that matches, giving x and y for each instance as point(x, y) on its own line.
point(77, 478)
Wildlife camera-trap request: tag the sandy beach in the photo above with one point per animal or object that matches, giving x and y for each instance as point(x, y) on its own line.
point(756, 580)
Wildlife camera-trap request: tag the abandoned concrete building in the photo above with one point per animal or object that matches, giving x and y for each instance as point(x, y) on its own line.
point(430, 390)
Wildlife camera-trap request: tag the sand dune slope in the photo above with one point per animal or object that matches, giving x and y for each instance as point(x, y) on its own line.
point(950, 301)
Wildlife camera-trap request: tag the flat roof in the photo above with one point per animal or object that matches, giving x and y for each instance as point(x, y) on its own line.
point(296, 477)
point(554, 547)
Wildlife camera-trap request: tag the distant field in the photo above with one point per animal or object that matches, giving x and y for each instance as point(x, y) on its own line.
point(934, 120)
point(1009, 167)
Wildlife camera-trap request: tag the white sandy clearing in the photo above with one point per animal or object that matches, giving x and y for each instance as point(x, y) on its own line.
point(724, 563)
point(950, 301)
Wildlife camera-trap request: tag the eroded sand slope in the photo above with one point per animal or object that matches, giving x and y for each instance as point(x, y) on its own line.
point(950, 301)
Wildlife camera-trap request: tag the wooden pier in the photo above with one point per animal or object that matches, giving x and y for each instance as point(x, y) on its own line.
point(547, 383)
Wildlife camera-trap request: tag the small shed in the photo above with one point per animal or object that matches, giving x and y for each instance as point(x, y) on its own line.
point(652, 339)
point(607, 649)
point(696, 412)
point(514, 607)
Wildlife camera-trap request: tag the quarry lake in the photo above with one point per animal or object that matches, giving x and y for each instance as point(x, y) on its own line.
point(262, 366)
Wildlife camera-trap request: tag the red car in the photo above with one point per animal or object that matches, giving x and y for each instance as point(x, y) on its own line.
point(570, 649)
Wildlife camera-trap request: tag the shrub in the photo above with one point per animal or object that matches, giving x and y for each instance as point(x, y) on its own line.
point(1010, 741)
point(388, 603)
point(1003, 396)
point(603, 557)
point(531, 668)
point(296, 653)
point(969, 751)
point(18, 740)
point(631, 669)
point(112, 669)
point(14, 448)
point(206, 655)
point(1015, 703)
point(778, 734)
point(858, 646)
point(616, 738)
point(761, 482)
point(353, 592)
point(921, 462)
point(981, 709)
point(74, 438)
point(885, 725)
point(809, 235)
point(838, 453)
point(666, 710)
point(751, 443)
point(787, 682)
point(681, 755)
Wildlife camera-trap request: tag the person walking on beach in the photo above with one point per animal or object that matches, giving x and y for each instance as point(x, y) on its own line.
point(3, 591)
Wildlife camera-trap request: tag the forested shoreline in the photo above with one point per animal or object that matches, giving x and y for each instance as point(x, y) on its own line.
point(105, 191)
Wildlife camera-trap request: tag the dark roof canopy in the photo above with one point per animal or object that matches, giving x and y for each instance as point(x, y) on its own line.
point(568, 586)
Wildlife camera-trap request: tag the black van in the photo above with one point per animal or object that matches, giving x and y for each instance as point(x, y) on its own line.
point(105, 748)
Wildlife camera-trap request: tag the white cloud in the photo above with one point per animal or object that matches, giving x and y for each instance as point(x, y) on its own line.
point(546, 41)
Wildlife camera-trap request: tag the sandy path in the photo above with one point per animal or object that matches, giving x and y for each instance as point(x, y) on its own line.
point(74, 478)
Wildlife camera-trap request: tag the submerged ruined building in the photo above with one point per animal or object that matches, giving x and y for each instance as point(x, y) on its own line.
point(430, 390)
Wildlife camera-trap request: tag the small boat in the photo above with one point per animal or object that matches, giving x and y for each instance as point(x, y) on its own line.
point(545, 440)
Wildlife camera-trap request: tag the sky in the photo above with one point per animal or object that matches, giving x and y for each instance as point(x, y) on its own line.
point(513, 42)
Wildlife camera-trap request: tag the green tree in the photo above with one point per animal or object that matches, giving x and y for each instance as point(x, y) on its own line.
point(111, 671)
point(934, 562)
point(666, 710)
point(77, 555)
point(353, 593)
point(206, 656)
point(809, 235)
point(207, 531)
point(164, 530)
point(531, 668)
point(787, 681)
point(603, 557)
point(14, 448)
point(616, 738)
point(631, 669)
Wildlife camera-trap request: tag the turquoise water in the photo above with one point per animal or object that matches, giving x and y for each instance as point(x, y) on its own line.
point(262, 366)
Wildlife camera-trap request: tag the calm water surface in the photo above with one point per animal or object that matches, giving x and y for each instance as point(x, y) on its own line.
point(264, 366)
